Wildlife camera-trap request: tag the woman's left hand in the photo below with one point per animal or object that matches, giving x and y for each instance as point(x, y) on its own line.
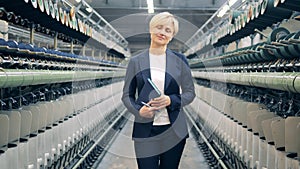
point(160, 102)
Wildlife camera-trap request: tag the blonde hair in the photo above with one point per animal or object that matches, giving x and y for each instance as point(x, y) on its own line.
point(164, 17)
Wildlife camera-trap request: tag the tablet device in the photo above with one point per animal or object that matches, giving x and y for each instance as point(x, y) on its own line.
point(154, 86)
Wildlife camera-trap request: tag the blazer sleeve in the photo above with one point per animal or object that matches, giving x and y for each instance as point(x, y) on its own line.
point(187, 85)
point(130, 88)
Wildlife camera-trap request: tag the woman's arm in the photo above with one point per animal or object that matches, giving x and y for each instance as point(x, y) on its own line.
point(129, 89)
point(187, 85)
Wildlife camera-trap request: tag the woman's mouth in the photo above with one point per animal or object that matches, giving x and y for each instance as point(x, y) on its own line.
point(161, 37)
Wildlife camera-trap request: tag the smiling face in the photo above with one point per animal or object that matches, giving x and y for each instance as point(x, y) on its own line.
point(163, 27)
point(162, 34)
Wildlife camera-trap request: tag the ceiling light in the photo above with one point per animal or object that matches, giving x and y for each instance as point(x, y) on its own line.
point(77, 1)
point(150, 6)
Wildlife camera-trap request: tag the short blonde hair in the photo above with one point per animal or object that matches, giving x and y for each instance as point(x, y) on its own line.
point(164, 17)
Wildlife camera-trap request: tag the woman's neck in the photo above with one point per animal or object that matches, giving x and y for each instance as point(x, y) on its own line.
point(157, 50)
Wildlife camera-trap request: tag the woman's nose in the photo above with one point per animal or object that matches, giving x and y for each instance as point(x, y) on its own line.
point(163, 33)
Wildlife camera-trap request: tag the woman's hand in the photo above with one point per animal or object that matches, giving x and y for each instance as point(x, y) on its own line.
point(160, 102)
point(147, 112)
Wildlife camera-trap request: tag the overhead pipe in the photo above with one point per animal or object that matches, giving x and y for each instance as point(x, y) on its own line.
point(19, 77)
point(284, 81)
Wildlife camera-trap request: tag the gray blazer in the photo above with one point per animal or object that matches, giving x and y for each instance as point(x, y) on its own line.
point(178, 75)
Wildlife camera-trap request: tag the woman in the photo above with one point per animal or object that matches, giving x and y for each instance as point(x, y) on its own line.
point(160, 129)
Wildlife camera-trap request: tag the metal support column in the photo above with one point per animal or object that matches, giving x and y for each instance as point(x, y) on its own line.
point(55, 40)
point(72, 46)
point(31, 40)
point(83, 50)
point(237, 44)
point(93, 52)
point(252, 39)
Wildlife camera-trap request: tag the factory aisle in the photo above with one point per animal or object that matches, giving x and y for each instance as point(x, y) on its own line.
point(121, 153)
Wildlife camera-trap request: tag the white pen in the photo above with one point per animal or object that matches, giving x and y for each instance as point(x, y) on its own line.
point(145, 104)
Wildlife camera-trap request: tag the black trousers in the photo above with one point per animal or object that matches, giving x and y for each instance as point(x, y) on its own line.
point(162, 150)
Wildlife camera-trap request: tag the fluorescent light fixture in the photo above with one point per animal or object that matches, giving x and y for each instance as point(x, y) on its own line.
point(223, 11)
point(150, 6)
point(231, 2)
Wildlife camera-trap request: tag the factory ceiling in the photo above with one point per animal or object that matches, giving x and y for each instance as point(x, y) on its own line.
point(131, 18)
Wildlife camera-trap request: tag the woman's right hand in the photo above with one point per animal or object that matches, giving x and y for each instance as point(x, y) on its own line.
point(147, 112)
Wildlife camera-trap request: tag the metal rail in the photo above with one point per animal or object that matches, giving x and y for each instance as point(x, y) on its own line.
point(98, 140)
point(219, 159)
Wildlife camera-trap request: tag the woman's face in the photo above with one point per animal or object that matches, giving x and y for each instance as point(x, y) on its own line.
point(162, 33)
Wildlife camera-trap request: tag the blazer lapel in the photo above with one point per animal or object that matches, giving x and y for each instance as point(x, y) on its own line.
point(172, 67)
point(144, 63)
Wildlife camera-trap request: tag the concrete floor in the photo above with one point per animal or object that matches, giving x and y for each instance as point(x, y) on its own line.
point(121, 153)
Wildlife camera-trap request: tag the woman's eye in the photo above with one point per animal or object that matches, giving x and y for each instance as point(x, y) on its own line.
point(159, 27)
